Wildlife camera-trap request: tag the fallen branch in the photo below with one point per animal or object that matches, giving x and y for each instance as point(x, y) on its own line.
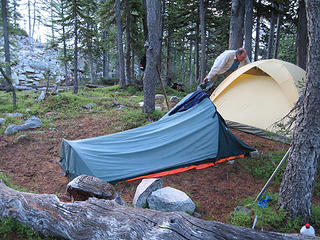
point(105, 219)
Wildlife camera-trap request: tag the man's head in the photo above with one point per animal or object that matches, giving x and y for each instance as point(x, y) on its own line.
point(241, 54)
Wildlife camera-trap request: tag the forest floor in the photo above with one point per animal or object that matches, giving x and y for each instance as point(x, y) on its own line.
point(32, 163)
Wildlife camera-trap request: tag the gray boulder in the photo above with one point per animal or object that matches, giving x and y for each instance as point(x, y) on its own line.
point(144, 190)
point(2, 121)
point(14, 114)
point(32, 122)
point(169, 199)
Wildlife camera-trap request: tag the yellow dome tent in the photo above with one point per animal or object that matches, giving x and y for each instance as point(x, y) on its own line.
point(259, 94)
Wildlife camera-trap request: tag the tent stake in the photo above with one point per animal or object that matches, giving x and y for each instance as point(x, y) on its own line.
point(163, 89)
point(275, 171)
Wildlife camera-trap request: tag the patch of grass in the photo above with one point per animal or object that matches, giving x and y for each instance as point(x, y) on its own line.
point(315, 216)
point(9, 183)
point(269, 217)
point(9, 226)
point(197, 205)
point(240, 219)
point(263, 168)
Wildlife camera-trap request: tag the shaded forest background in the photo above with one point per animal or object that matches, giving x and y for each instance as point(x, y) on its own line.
point(110, 35)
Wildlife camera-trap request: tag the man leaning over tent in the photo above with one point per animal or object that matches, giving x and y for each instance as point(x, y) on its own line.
point(226, 63)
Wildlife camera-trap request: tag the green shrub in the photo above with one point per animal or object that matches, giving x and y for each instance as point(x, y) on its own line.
point(240, 218)
point(271, 217)
point(109, 81)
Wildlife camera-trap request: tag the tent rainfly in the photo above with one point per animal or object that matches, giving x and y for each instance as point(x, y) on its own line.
point(259, 94)
point(191, 136)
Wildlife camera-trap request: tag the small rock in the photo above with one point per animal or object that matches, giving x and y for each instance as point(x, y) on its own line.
point(174, 99)
point(2, 121)
point(197, 215)
point(14, 114)
point(255, 154)
point(242, 209)
point(90, 105)
point(144, 190)
point(42, 96)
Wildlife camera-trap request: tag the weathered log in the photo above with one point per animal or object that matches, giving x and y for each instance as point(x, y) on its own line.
point(105, 219)
point(94, 86)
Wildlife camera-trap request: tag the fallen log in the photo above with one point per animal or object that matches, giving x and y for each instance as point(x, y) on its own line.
point(105, 219)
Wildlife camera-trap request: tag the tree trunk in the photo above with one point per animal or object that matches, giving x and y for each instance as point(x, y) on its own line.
point(34, 17)
point(196, 57)
point(203, 41)
point(279, 18)
point(29, 16)
point(128, 43)
point(256, 47)
point(120, 46)
point(153, 57)
point(297, 185)
point(6, 37)
point(65, 62)
point(168, 62)
point(144, 20)
point(105, 219)
point(302, 36)
point(7, 74)
point(248, 27)
point(51, 16)
point(190, 65)
point(105, 67)
point(75, 83)
point(271, 32)
point(163, 11)
point(236, 24)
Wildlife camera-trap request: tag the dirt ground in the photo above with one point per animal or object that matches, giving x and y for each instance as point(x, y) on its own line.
point(32, 162)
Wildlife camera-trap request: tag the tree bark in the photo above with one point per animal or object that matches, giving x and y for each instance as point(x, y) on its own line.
point(6, 40)
point(248, 27)
point(168, 60)
point(65, 62)
point(271, 32)
point(236, 24)
point(162, 21)
point(298, 181)
point(302, 36)
point(75, 61)
point(190, 64)
point(120, 46)
point(256, 47)
point(196, 53)
point(203, 41)
point(279, 20)
point(105, 219)
point(144, 20)
point(128, 43)
point(153, 55)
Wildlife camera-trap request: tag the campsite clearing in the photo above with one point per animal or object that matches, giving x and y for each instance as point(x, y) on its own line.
point(32, 163)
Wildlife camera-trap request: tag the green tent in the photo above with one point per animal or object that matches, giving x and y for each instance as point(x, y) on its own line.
point(191, 134)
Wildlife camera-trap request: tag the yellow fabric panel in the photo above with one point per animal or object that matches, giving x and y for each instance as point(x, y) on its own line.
point(254, 100)
point(259, 93)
